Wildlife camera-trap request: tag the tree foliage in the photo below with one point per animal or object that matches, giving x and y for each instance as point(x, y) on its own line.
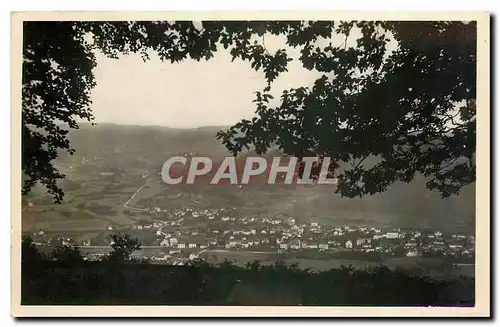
point(29, 252)
point(123, 246)
point(412, 110)
point(67, 254)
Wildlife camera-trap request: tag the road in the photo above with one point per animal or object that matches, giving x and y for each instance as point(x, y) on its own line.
point(104, 247)
point(137, 192)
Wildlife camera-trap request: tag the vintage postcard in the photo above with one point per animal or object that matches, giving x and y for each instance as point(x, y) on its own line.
point(313, 164)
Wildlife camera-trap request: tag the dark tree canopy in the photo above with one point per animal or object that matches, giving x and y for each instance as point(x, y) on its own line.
point(410, 111)
point(123, 246)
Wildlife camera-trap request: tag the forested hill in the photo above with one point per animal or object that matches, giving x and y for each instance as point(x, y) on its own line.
point(404, 204)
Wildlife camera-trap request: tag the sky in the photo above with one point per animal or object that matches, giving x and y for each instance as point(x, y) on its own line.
point(189, 94)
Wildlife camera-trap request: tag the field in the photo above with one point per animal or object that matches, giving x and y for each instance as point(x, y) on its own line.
point(126, 154)
point(420, 266)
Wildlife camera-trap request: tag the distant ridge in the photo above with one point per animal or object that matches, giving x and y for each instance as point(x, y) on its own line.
point(127, 146)
point(85, 124)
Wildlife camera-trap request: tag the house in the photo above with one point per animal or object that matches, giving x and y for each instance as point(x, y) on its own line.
point(312, 246)
point(192, 245)
point(173, 241)
point(412, 253)
point(392, 235)
point(294, 244)
point(348, 244)
point(181, 245)
point(164, 243)
point(323, 246)
point(361, 241)
point(110, 228)
point(410, 245)
point(234, 243)
point(283, 246)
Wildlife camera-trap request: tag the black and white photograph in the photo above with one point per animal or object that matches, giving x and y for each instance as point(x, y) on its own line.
point(233, 162)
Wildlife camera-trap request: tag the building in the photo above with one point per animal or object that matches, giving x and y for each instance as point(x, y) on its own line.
point(164, 243)
point(192, 245)
point(348, 244)
point(455, 246)
point(410, 245)
point(283, 246)
point(361, 241)
point(234, 243)
point(181, 245)
point(412, 253)
point(323, 246)
point(294, 244)
point(392, 235)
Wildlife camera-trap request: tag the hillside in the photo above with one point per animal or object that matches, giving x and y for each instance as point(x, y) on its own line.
point(128, 148)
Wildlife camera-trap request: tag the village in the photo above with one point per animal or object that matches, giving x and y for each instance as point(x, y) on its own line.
point(184, 234)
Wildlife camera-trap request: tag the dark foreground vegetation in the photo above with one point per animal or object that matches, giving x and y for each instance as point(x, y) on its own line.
point(101, 283)
point(63, 277)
